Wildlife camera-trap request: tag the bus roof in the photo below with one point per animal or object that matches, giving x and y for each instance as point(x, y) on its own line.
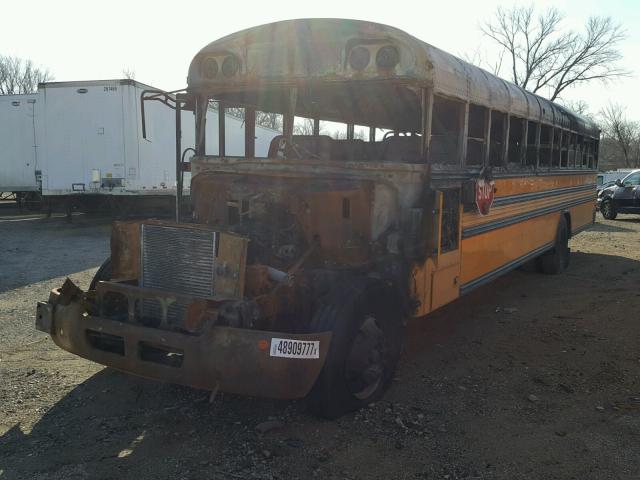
point(316, 51)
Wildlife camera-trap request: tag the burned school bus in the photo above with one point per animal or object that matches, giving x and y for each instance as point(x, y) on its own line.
point(295, 274)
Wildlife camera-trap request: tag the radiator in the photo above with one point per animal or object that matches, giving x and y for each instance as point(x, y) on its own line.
point(177, 260)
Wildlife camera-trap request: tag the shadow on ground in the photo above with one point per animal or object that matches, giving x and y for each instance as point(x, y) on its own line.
point(114, 423)
point(462, 402)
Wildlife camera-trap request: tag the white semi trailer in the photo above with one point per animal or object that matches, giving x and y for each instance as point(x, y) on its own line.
point(19, 152)
point(92, 144)
point(81, 144)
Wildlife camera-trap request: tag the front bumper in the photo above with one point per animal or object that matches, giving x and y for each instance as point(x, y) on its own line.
point(233, 360)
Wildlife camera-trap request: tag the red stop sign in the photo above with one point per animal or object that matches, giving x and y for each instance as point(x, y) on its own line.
point(484, 195)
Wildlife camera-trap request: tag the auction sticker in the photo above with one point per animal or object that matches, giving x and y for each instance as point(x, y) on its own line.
point(287, 348)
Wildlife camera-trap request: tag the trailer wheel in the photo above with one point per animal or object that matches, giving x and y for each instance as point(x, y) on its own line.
point(557, 260)
point(367, 326)
point(102, 275)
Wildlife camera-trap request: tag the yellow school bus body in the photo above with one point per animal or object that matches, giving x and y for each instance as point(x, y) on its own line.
point(521, 225)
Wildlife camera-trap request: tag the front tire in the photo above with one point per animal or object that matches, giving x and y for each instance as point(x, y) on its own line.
point(608, 210)
point(102, 275)
point(367, 325)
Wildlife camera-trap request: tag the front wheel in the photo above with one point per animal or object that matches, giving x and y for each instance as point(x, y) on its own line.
point(102, 275)
point(608, 210)
point(367, 327)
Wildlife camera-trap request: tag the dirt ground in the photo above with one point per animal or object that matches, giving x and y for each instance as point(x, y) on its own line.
point(531, 377)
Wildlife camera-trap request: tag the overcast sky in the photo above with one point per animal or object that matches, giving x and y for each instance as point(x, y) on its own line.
point(84, 40)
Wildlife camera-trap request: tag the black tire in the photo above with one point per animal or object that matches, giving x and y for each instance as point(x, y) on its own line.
point(102, 275)
point(557, 260)
point(608, 210)
point(366, 318)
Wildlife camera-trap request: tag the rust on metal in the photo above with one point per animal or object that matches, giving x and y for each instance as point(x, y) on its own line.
point(235, 359)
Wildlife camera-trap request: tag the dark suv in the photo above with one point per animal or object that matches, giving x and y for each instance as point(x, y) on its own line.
point(623, 197)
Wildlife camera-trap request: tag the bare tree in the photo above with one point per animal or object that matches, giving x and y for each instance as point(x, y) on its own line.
point(19, 76)
point(129, 73)
point(264, 119)
point(542, 56)
point(578, 106)
point(269, 120)
point(481, 58)
point(622, 134)
point(303, 126)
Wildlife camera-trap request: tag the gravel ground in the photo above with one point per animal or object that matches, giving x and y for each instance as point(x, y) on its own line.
point(530, 377)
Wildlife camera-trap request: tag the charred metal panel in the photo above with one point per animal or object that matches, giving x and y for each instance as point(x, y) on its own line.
point(321, 51)
point(125, 250)
point(285, 215)
point(232, 360)
point(394, 186)
point(314, 52)
point(230, 269)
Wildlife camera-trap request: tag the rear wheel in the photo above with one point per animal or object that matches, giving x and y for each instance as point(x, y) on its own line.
point(557, 260)
point(367, 327)
point(608, 210)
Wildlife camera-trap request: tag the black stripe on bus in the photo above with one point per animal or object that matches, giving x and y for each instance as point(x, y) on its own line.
point(507, 267)
point(450, 175)
point(504, 222)
point(525, 197)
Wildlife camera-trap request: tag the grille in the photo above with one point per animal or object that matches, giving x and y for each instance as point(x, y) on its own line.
point(179, 260)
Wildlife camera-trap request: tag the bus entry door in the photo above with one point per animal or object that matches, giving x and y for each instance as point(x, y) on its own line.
point(445, 283)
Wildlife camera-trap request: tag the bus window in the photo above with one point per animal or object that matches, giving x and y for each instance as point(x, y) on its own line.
point(234, 132)
point(446, 130)
point(596, 149)
point(516, 139)
point(496, 147)
point(380, 134)
point(211, 129)
point(361, 132)
point(555, 147)
point(546, 133)
point(564, 149)
point(268, 126)
point(579, 148)
point(531, 158)
point(302, 126)
point(475, 135)
point(336, 130)
point(571, 154)
point(588, 158)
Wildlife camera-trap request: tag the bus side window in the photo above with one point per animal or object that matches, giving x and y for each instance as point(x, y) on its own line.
point(555, 150)
point(572, 151)
point(579, 150)
point(475, 136)
point(516, 138)
point(546, 133)
point(446, 129)
point(588, 156)
point(564, 149)
point(336, 130)
point(496, 147)
point(531, 157)
point(212, 147)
